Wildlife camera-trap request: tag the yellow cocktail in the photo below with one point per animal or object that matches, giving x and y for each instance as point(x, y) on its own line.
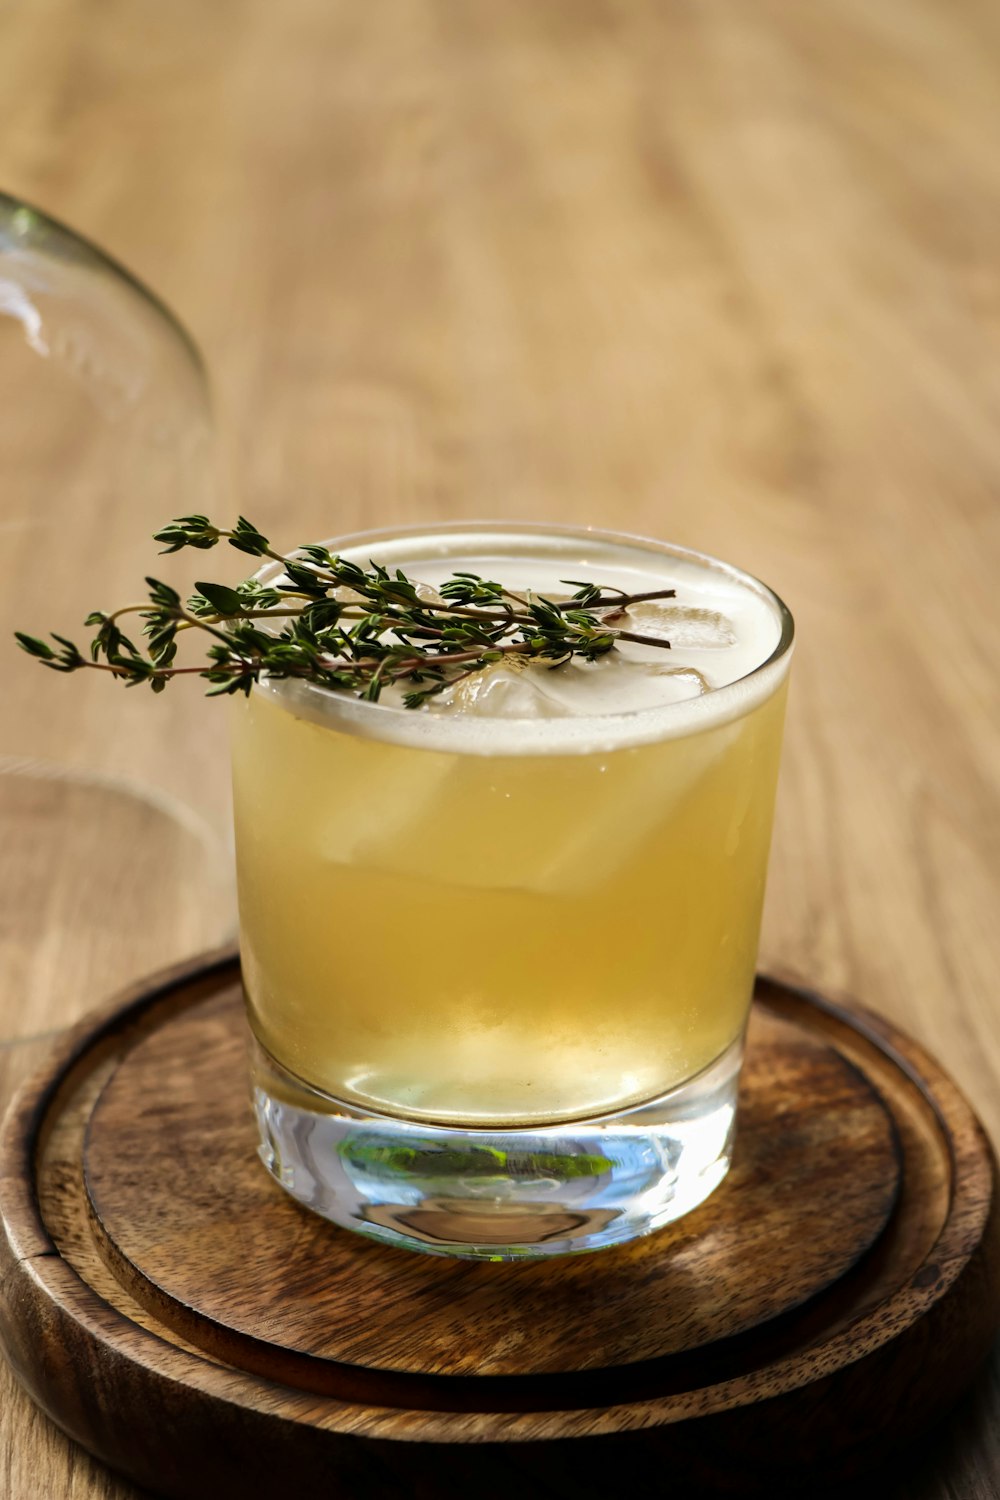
point(534, 901)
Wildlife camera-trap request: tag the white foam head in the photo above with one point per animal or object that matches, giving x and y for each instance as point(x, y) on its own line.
point(730, 639)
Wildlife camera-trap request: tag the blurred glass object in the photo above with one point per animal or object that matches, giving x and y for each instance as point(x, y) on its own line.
point(105, 434)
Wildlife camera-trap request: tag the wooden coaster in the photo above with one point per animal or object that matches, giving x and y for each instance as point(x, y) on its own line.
point(189, 1323)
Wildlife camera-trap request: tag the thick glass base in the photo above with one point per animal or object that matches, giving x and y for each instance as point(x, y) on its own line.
point(504, 1193)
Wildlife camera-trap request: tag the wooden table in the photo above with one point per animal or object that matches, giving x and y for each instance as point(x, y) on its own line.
point(718, 272)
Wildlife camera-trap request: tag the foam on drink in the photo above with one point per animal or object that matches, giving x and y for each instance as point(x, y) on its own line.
point(541, 900)
point(723, 626)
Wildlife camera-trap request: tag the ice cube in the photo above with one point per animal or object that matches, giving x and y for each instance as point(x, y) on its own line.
point(683, 626)
point(427, 594)
point(614, 684)
point(611, 829)
point(510, 690)
point(641, 793)
point(388, 793)
point(685, 682)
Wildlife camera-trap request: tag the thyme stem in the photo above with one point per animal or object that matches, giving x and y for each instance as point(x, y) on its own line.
point(348, 627)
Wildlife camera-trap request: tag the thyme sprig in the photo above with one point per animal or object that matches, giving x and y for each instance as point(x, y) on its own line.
point(327, 620)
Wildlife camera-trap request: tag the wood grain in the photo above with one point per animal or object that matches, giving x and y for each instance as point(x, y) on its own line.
point(188, 1215)
point(35, 1457)
point(739, 1400)
point(119, 852)
point(721, 273)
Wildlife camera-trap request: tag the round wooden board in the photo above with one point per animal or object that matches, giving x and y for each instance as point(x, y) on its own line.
point(181, 1317)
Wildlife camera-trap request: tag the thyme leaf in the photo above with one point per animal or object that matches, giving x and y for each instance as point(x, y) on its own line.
point(327, 620)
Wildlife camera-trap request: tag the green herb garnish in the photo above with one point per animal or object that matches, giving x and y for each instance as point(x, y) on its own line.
point(328, 621)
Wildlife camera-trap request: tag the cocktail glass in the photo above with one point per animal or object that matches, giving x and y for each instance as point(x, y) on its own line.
point(499, 955)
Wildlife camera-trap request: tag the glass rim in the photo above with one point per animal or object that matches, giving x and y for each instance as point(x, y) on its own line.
point(26, 228)
point(371, 713)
